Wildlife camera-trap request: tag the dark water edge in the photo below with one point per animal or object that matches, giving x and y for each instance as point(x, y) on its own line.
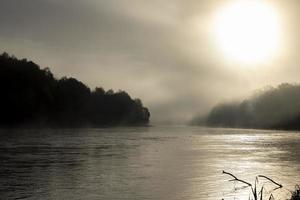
point(159, 162)
point(45, 127)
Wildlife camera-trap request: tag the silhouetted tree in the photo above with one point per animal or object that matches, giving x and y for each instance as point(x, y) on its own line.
point(32, 96)
point(277, 108)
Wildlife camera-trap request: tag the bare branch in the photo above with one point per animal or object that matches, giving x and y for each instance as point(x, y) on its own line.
point(262, 176)
point(236, 179)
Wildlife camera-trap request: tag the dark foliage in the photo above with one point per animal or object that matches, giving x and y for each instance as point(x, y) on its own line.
point(274, 108)
point(296, 193)
point(32, 96)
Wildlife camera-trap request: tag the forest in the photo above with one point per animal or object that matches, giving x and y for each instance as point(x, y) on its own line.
point(33, 97)
point(271, 108)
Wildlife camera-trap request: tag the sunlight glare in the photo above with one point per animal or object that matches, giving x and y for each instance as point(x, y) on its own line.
point(248, 31)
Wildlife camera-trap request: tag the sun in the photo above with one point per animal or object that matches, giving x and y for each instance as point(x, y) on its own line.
point(248, 31)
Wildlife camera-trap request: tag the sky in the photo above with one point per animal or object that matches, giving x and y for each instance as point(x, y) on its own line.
point(161, 51)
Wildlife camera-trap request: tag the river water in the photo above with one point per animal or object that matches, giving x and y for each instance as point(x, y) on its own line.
point(155, 163)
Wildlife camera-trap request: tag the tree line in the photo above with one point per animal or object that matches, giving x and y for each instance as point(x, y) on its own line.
point(272, 108)
point(31, 96)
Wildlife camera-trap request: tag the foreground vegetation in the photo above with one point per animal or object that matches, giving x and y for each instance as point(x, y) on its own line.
point(296, 193)
point(273, 108)
point(31, 96)
point(259, 192)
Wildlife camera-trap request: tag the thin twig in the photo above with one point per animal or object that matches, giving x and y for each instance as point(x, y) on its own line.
point(236, 179)
point(262, 176)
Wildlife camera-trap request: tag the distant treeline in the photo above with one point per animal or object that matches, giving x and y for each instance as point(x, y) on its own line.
point(273, 108)
point(31, 96)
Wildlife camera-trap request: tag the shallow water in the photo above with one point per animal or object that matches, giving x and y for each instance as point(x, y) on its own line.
point(155, 163)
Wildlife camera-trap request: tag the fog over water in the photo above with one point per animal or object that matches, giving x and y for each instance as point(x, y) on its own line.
point(155, 163)
point(160, 51)
point(219, 63)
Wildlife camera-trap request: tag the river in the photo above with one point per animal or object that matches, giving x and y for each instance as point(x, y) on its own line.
point(154, 163)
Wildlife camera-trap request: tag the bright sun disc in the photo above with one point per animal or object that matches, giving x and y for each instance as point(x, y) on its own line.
point(248, 31)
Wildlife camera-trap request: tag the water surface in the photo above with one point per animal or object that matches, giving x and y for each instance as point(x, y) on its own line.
point(155, 163)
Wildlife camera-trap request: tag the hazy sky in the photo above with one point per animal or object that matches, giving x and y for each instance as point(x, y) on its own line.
point(162, 51)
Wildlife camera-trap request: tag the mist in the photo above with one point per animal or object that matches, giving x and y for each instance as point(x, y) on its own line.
point(271, 108)
point(160, 51)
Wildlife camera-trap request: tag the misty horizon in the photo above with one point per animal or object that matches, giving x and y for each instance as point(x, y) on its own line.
point(196, 117)
point(154, 100)
point(163, 52)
